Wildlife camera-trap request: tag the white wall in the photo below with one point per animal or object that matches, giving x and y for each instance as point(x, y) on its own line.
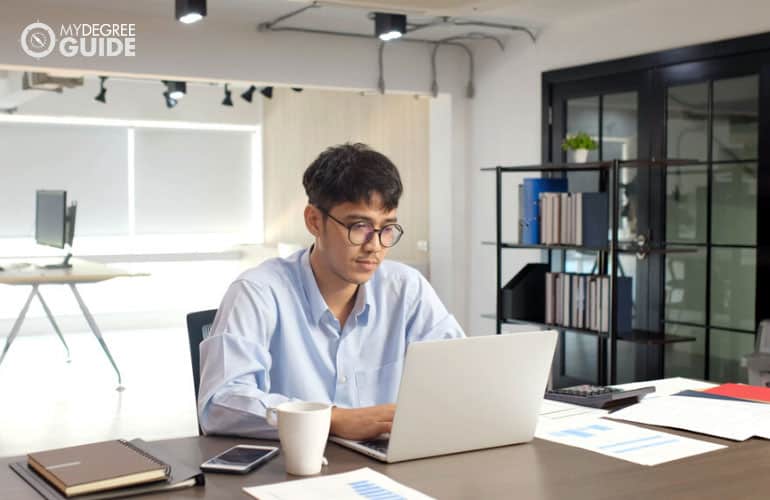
point(235, 52)
point(505, 119)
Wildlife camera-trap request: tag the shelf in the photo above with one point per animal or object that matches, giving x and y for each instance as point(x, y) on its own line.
point(703, 327)
point(625, 249)
point(553, 167)
point(595, 166)
point(654, 338)
point(664, 249)
point(637, 336)
point(546, 325)
point(669, 162)
point(544, 247)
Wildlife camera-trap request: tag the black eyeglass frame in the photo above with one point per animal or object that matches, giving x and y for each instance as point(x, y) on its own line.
point(378, 232)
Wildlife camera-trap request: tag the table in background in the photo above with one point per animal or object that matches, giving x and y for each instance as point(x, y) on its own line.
point(82, 271)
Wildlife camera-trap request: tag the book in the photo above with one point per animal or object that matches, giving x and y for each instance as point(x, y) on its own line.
point(702, 394)
point(531, 189)
point(583, 301)
point(742, 391)
point(181, 475)
point(591, 220)
point(93, 467)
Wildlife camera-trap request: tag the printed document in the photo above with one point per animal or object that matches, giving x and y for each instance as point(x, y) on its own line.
point(668, 386)
point(734, 420)
point(355, 485)
point(623, 441)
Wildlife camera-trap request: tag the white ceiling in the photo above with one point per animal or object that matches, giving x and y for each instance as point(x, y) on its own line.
point(351, 15)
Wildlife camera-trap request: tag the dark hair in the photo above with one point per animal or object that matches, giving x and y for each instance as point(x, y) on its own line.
point(351, 173)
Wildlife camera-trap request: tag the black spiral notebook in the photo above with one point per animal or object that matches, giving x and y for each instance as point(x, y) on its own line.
point(180, 475)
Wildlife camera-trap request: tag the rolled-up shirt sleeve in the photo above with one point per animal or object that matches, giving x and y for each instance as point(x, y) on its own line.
point(428, 318)
point(235, 364)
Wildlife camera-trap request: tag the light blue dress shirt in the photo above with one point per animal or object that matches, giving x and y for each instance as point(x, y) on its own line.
point(274, 339)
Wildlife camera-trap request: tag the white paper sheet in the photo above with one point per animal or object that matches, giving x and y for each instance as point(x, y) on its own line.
point(355, 485)
point(668, 386)
point(623, 441)
point(558, 410)
point(734, 420)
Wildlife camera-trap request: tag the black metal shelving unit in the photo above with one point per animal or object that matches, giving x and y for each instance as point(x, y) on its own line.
point(607, 258)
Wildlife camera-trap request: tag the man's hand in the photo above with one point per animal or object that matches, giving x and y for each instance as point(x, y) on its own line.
point(362, 423)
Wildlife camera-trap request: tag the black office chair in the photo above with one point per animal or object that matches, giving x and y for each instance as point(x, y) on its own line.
point(198, 327)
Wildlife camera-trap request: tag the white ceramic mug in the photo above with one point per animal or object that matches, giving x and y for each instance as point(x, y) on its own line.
point(303, 429)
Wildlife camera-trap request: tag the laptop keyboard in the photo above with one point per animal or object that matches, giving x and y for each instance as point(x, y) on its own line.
point(380, 445)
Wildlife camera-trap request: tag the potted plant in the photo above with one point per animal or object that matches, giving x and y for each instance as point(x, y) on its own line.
point(578, 146)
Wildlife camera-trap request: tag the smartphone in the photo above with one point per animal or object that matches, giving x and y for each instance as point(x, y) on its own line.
point(240, 459)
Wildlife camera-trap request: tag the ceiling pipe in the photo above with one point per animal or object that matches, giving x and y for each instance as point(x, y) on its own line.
point(451, 41)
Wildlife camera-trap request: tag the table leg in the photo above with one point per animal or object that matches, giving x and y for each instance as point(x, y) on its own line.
point(17, 324)
point(97, 333)
point(53, 323)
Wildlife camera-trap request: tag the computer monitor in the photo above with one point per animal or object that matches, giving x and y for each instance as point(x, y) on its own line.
point(54, 221)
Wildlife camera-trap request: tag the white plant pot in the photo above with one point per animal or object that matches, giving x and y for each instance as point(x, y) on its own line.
point(578, 155)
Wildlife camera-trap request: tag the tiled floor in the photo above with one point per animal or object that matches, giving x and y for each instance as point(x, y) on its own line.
point(46, 402)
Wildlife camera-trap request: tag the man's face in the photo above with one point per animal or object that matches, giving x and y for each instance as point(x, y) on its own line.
point(353, 263)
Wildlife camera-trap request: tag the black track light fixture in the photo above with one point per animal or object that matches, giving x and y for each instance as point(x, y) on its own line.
point(190, 11)
point(228, 100)
point(176, 90)
point(170, 101)
point(297, 89)
point(389, 26)
point(102, 95)
point(248, 95)
point(267, 92)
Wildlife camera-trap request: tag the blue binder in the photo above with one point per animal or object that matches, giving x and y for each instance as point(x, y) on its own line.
point(530, 218)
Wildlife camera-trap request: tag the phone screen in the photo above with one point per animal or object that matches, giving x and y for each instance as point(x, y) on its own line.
point(240, 456)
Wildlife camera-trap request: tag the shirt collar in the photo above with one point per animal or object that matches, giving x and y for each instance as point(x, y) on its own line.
point(313, 295)
point(363, 302)
point(316, 301)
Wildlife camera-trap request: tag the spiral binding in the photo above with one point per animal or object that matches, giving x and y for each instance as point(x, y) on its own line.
point(145, 454)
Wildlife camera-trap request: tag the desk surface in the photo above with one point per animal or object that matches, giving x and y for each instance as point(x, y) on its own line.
point(538, 470)
point(82, 271)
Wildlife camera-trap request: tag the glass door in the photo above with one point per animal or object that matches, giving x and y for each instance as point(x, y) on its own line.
point(712, 116)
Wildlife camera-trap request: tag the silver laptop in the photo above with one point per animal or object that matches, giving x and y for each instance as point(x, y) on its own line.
point(466, 394)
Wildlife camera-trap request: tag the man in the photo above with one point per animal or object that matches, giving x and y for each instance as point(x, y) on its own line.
point(330, 323)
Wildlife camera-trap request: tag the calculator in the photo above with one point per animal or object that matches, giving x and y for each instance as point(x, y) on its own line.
point(597, 396)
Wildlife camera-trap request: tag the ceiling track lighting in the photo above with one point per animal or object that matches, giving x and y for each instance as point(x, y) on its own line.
point(228, 100)
point(297, 89)
point(170, 101)
point(176, 90)
point(248, 95)
point(102, 95)
point(267, 92)
point(190, 11)
point(389, 27)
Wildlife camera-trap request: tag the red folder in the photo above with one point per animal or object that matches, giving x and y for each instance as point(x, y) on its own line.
point(742, 391)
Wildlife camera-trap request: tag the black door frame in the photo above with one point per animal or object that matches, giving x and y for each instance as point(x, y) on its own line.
point(719, 59)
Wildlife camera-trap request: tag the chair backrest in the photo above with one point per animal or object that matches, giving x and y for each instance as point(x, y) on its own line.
point(762, 342)
point(198, 327)
point(758, 362)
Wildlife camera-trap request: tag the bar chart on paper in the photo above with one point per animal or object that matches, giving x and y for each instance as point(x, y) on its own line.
point(623, 441)
point(370, 490)
point(359, 484)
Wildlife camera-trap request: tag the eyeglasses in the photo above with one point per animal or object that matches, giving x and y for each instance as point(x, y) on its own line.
point(362, 232)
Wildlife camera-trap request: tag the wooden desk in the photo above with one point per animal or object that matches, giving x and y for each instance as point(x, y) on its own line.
point(539, 470)
point(81, 272)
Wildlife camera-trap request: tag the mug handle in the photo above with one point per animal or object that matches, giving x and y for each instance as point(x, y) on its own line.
point(271, 416)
